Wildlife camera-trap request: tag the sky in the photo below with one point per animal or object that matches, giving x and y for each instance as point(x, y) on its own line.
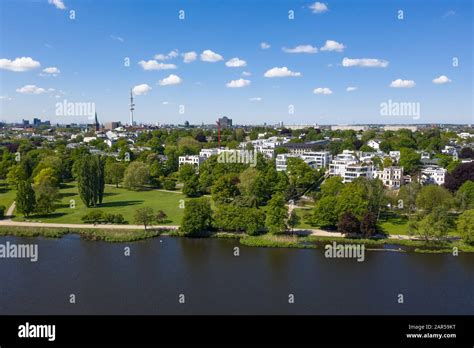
point(255, 61)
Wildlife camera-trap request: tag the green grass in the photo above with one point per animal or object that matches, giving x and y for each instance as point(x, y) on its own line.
point(108, 235)
point(393, 223)
point(116, 201)
point(7, 195)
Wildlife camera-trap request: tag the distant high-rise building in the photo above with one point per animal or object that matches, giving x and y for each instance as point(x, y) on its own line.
point(36, 122)
point(112, 125)
point(96, 123)
point(26, 123)
point(225, 122)
point(132, 107)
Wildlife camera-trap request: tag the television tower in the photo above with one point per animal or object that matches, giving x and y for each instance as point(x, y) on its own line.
point(132, 107)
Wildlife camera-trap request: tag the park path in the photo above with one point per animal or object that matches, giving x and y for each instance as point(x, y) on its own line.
point(9, 222)
point(302, 231)
point(10, 210)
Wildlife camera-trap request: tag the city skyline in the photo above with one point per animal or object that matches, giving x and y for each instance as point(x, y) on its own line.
point(330, 64)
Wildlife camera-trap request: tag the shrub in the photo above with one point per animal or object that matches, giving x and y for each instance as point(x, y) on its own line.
point(169, 184)
point(118, 219)
point(94, 216)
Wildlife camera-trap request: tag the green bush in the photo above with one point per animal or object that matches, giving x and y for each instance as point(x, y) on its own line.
point(94, 216)
point(169, 184)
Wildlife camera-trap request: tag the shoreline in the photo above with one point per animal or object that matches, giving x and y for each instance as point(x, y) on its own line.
point(109, 234)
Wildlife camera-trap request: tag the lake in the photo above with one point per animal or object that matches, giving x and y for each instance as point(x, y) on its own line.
point(214, 281)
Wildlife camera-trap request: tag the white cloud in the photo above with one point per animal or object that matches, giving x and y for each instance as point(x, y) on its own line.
point(246, 73)
point(441, 80)
point(256, 99)
point(51, 71)
point(210, 56)
point(154, 65)
point(238, 83)
point(236, 63)
point(31, 89)
point(172, 54)
point(5, 97)
point(332, 45)
point(117, 38)
point(58, 3)
point(281, 72)
point(365, 63)
point(399, 83)
point(301, 49)
point(322, 90)
point(450, 13)
point(170, 80)
point(189, 57)
point(318, 7)
point(19, 64)
point(141, 89)
point(351, 89)
point(264, 46)
point(165, 103)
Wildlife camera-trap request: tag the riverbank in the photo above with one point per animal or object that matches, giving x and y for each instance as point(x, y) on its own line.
point(108, 234)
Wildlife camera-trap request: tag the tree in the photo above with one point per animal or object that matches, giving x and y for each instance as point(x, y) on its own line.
point(197, 216)
point(462, 173)
point(409, 159)
point(15, 175)
point(434, 225)
point(325, 215)
point(144, 216)
point(136, 176)
point(160, 216)
point(293, 220)
point(46, 193)
point(465, 226)
point(368, 224)
point(352, 198)
point(225, 189)
point(114, 173)
point(432, 196)
point(90, 179)
point(407, 195)
point(348, 223)
point(191, 186)
point(332, 186)
point(186, 172)
point(276, 214)
point(465, 196)
point(95, 216)
point(25, 198)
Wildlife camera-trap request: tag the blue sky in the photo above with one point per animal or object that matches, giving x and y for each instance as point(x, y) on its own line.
point(90, 50)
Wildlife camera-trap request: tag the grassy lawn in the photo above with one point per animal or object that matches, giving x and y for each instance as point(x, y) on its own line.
point(7, 195)
point(397, 224)
point(116, 201)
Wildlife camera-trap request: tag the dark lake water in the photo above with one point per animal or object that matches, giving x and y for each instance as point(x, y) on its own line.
point(214, 281)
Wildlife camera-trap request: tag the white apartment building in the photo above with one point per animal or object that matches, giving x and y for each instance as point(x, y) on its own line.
point(348, 166)
point(320, 159)
point(392, 177)
point(374, 144)
point(194, 160)
point(206, 153)
point(434, 175)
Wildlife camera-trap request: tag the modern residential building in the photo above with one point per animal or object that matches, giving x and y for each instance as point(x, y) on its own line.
point(315, 160)
point(392, 177)
point(348, 166)
point(374, 144)
point(206, 153)
point(194, 160)
point(433, 175)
